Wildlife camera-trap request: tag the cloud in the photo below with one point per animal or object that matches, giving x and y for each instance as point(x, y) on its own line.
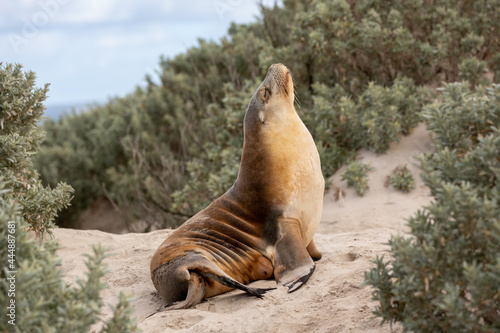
point(90, 49)
point(92, 11)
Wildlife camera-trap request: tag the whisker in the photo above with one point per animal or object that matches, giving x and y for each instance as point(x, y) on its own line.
point(294, 85)
point(296, 98)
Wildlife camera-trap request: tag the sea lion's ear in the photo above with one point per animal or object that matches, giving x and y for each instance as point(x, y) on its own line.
point(261, 116)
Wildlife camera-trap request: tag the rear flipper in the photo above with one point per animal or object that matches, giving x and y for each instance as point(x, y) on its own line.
point(195, 293)
point(183, 282)
point(196, 289)
point(293, 264)
point(232, 283)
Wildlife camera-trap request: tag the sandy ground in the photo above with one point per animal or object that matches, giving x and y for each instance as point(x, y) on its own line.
point(354, 230)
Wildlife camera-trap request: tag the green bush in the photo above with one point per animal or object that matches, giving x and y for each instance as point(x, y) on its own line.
point(335, 123)
point(21, 108)
point(446, 276)
point(32, 291)
point(402, 179)
point(43, 301)
point(378, 117)
point(386, 113)
point(356, 175)
point(81, 148)
point(353, 43)
point(213, 173)
point(356, 67)
point(463, 118)
point(472, 70)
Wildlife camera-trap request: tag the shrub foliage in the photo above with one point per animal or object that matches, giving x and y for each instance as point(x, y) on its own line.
point(174, 145)
point(356, 175)
point(402, 179)
point(446, 277)
point(31, 281)
point(21, 107)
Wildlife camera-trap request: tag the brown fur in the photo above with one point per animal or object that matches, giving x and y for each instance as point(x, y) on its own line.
point(263, 225)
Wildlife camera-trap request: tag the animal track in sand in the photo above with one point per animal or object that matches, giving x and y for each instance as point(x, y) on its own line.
point(344, 257)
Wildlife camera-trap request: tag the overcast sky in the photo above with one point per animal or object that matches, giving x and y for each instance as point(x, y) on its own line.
point(89, 50)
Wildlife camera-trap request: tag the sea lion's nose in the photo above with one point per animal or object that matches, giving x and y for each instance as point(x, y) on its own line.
point(278, 66)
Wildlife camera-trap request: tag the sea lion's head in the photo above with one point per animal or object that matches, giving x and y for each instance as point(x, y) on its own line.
point(274, 96)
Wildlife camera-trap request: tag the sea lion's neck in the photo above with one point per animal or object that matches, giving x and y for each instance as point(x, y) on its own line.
point(262, 155)
point(253, 159)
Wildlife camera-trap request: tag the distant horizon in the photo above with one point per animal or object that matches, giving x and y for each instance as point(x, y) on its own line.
point(55, 111)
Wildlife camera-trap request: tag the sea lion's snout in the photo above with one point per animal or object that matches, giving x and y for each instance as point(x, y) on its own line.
point(278, 67)
point(279, 79)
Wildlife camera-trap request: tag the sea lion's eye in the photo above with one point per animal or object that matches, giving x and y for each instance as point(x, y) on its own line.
point(266, 94)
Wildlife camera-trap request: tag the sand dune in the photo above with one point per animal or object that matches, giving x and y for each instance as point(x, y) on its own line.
point(353, 231)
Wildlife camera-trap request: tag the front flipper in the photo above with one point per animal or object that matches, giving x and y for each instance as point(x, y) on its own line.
point(293, 264)
point(313, 251)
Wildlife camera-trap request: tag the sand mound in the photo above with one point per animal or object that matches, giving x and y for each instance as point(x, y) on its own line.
point(353, 231)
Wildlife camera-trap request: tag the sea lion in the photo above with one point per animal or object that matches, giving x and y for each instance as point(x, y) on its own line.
point(263, 226)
